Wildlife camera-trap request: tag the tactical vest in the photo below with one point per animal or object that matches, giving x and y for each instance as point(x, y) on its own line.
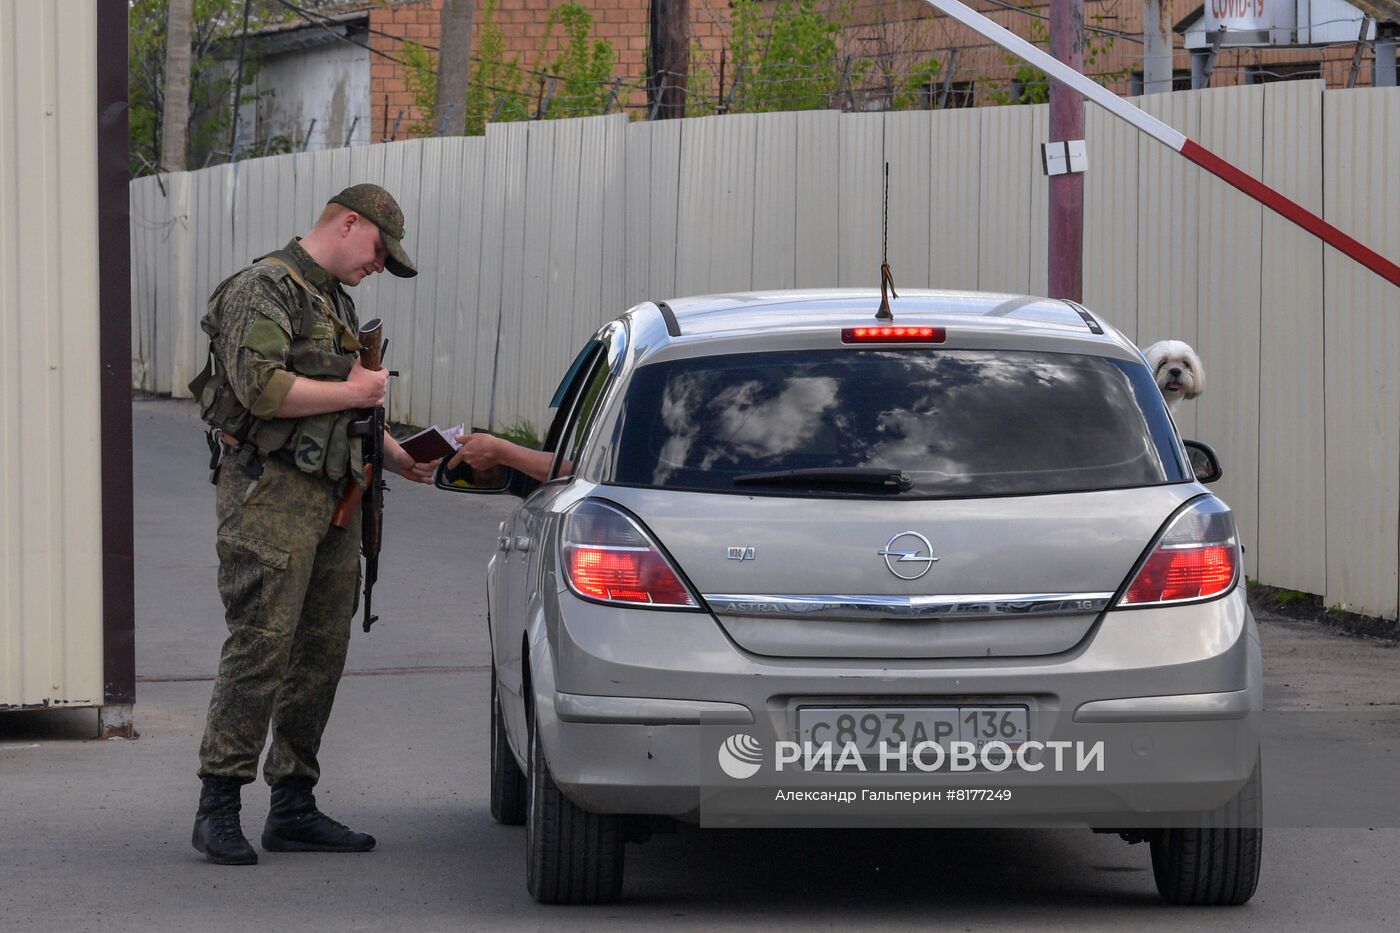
point(318, 444)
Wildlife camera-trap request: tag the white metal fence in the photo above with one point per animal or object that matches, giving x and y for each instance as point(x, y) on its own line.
point(531, 236)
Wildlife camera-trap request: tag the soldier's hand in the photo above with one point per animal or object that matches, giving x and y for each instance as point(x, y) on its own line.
point(366, 386)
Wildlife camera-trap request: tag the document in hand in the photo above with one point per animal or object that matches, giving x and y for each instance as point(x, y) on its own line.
point(432, 443)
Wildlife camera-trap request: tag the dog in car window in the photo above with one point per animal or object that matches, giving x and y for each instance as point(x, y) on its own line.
point(1177, 370)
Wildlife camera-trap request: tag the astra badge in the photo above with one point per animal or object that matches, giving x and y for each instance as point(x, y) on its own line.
point(908, 554)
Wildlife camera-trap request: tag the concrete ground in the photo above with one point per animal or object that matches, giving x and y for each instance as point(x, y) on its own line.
point(95, 835)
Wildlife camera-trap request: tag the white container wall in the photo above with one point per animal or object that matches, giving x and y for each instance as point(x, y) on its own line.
point(51, 558)
point(530, 237)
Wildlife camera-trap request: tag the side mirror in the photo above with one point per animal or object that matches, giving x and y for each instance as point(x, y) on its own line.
point(463, 478)
point(1204, 463)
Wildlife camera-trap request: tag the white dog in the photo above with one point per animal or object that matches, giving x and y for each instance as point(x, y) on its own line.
point(1178, 371)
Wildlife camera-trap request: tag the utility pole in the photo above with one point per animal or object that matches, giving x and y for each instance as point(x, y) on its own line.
point(1156, 46)
point(454, 69)
point(1066, 260)
point(175, 118)
point(669, 67)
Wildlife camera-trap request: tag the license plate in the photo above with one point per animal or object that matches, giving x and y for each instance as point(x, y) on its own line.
point(867, 727)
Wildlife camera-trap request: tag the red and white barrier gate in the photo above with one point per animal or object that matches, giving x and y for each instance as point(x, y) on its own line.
point(1285, 207)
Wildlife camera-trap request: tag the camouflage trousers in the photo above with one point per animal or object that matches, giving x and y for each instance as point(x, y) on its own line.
point(290, 586)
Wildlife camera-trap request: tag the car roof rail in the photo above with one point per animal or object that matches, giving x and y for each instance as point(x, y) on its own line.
point(1094, 326)
point(673, 326)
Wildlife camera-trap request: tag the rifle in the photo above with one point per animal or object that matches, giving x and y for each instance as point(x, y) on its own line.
point(371, 429)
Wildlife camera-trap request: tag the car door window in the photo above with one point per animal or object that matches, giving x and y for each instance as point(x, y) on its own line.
point(585, 410)
point(569, 388)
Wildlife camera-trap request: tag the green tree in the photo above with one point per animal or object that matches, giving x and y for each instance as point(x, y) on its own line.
point(501, 90)
point(210, 85)
point(583, 71)
point(789, 61)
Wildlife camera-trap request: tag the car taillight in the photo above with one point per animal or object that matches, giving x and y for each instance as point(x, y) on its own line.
point(1197, 557)
point(609, 558)
point(898, 333)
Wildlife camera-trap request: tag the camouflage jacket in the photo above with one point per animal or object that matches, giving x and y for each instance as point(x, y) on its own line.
point(257, 325)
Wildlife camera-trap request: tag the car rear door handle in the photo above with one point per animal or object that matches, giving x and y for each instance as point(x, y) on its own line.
point(522, 542)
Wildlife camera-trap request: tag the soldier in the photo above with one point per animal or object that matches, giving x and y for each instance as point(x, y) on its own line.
point(282, 389)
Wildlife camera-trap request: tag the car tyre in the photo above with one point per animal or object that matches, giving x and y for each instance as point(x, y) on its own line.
point(1216, 863)
point(571, 856)
point(508, 788)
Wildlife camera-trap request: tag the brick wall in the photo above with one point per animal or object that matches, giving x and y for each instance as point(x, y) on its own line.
point(894, 34)
point(623, 23)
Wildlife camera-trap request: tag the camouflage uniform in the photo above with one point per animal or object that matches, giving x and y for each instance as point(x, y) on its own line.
point(288, 579)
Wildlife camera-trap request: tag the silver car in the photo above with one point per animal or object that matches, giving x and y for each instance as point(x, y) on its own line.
point(789, 545)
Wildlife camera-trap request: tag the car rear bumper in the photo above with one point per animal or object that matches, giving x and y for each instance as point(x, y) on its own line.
point(633, 708)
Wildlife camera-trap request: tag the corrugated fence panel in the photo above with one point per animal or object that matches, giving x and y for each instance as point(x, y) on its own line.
point(955, 179)
point(1026, 156)
point(583, 307)
point(907, 150)
point(467, 255)
point(410, 347)
point(861, 190)
point(1292, 429)
point(51, 638)
point(731, 242)
point(432, 319)
point(516, 395)
point(1362, 196)
point(307, 201)
point(162, 213)
point(563, 225)
point(1004, 235)
point(1111, 219)
point(638, 198)
point(775, 203)
point(145, 247)
point(503, 231)
point(1227, 416)
point(818, 201)
point(614, 285)
point(550, 342)
point(185, 310)
point(695, 205)
point(663, 207)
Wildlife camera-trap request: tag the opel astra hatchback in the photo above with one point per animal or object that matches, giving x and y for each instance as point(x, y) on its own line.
point(958, 560)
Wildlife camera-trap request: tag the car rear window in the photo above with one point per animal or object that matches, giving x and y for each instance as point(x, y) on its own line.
point(957, 422)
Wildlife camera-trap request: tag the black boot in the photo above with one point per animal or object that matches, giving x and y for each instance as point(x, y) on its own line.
point(217, 832)
point(295, 825)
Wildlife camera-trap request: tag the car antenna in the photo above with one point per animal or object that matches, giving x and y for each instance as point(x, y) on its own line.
point(886, 277)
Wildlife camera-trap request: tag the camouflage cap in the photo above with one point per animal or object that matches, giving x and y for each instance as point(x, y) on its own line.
point(379, 207)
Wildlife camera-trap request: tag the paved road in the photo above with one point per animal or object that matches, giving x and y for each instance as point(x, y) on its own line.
point(94, 835)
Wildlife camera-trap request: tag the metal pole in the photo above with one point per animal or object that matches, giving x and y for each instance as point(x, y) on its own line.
point(1066, 254)
point(1156, 46)
point(1360, 50)
point(1208, 68)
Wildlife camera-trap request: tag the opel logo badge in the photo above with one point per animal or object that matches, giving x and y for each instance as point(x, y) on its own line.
point(911, 548)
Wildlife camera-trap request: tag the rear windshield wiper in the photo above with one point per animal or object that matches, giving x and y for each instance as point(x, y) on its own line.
point(870, 477)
